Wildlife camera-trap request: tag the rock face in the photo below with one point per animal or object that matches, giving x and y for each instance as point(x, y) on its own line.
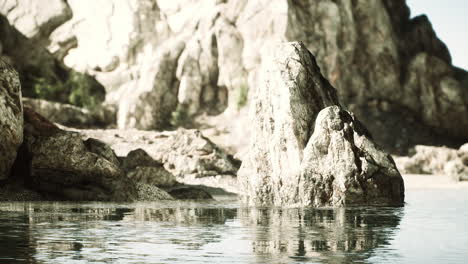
point(342, 165)
point(218, 55)
point(194, 57)
point(185, 153)
point(33, 20)
point(11, 117)
point(291, 161)
point(142, 168)
point(61, 164)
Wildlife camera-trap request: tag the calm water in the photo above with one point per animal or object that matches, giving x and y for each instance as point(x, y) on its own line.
point(432, 228)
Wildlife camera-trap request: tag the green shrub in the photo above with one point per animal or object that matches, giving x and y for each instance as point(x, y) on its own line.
point(78, 89)
point(180, 116)
point(84, 90)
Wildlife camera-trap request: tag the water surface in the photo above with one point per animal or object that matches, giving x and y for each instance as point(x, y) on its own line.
point(431, 228)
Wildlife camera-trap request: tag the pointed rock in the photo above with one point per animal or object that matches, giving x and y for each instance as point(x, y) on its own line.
point(291, 161)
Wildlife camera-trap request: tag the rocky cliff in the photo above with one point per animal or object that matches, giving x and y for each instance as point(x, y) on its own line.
point(163, 60)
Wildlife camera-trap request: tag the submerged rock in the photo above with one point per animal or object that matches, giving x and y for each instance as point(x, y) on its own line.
point(61, 164)
point(11, 117)
point(292, 161)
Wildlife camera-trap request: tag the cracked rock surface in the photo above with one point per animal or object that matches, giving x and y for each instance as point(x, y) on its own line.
point(158, 57)
point(185, 153)
point(11, 117)
point(305, 149)
point(62, 165)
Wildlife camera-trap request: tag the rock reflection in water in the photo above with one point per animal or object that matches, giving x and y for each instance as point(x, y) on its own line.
point(180, 232)
point(337, 235)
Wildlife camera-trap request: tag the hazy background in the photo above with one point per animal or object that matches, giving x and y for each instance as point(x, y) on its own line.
point(450, 21)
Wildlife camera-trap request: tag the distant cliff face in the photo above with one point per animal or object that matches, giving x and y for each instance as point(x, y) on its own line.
point(160, 59)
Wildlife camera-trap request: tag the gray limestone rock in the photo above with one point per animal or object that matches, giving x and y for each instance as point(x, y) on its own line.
point(305, 149)
point(62, 165)
point(426, 160)
point(437, 161)
point(141, 168)
point(185, 152)
point(370, 50)
point(149, 192)
point(11, 117)
point(150, 103)
point(343, 166)
point(190, 193)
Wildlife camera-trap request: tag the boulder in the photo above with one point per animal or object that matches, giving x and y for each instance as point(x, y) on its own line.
point(343, 166)
point(188, 152)
point(149, 192)
point(141, 168)
point(437, 161)
point(426, 160)
point(185, 153)
point(61, 164)
point(11, 117)
point(305, 149)
point(190, 193)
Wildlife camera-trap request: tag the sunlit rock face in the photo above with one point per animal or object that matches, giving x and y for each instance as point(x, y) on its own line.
point(307, 150)
point(11, 117)
point(371, 51)
point(33, 19)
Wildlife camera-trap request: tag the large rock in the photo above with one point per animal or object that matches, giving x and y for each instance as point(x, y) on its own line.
point(11, 117)
point(291, 161)
point(343, 166)
point(62, 165)
point(140, 167)
point(185, 153)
